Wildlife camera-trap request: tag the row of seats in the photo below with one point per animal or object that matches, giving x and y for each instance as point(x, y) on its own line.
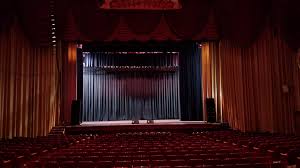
point(13, 152)
point(152, 150)
point(283, 147)
point(153, 164)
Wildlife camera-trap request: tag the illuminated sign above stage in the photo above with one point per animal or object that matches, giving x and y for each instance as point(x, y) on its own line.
point(140, 4)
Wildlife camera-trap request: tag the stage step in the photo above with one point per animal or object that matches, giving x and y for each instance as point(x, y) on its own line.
point(57, 130)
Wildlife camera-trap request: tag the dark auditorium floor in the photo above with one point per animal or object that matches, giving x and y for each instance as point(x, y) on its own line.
point(210, 149)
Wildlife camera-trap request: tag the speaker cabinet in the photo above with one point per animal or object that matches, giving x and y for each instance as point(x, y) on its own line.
point(150, 122)
point(211, 110)
point(135, 121)
point(75, 112)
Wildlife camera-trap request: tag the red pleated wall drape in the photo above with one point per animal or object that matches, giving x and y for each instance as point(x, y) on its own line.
point(142, 23)
point(87, 22)
point(259, 84)
point(29, 86)
point(69, 80)
point(191, 19)
point(211, 81)
point(288, 16)
point(297, 93)
point(6, 14)
point(242, 21)
point(34, 19)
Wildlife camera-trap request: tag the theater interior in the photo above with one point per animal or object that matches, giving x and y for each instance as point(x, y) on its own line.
point(149, 84)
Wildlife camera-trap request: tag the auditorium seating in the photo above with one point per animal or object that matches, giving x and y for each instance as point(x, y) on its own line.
point(284, 148)
point(215, 149)
point(152, 149)
point(15, 151)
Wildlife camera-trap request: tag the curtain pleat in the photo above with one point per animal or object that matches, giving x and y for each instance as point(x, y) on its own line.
point(112, 95)
point(68, 55)
point(254, 81)
point(211, 77)
point(29, 99)
point(190, 82)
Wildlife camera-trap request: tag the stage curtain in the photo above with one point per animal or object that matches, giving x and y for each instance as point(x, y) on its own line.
point(124, 33)
point(142, 22)
point(190, 20)
point(288, 16)
point(92, 22)
point(110, 95)
point(67, 28)
point(190, 82)
point(241, 21)
point(69, 80)
point(29, 86)
point(211, 79)
point(258, 84)
point(34, 17)
point(297, 93)
point(7, 12)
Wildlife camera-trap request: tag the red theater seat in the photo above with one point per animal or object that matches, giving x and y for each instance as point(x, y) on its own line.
point(51, 164)
point(86, 164)
point(141, 163)
point(104, 164)
point(67, 164)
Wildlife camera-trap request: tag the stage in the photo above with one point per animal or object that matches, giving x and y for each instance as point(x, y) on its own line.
point(101, 127)
point(141, 122)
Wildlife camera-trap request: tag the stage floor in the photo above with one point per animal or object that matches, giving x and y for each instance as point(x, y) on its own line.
point(141, 122)
point(101, 127)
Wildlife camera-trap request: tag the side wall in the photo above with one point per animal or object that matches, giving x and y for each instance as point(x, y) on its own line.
point(29, 86)
point(259, 84)
point(69, 80)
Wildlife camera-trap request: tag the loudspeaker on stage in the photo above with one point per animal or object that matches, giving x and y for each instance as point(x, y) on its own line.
point(135, 121)
point(75, 112)
point(211, 110)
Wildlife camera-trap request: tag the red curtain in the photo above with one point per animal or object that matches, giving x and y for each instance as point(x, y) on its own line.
point(6, 14)
point(29, 86)
point(123, 33)
point(142, 23)
point(163, 32)
point(67, 28)
point(210, 31)
point(258, 84)
point(69, 80)
point(211, 78)
point(190, 20)
point(35, 20)
point(297, 93)
point(242, 21)
point(238, 21)
point(288, 17)
point(93, 23)
point(87, 22)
